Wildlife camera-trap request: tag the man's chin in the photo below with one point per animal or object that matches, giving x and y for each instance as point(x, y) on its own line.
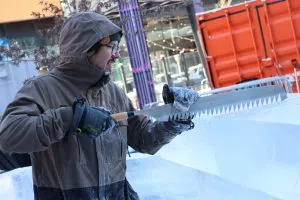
point(109, 67)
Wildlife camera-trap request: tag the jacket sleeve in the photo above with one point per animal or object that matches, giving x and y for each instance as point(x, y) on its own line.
point(147, 136)
point(26, 126)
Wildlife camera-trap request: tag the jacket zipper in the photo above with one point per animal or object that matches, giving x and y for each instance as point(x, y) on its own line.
point(121, 140)
point(117, 126)
point(79, 152)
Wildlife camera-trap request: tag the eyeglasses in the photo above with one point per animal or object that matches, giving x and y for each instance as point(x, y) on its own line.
point(115, 48)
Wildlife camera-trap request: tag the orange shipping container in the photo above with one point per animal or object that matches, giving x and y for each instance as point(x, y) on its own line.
point(249, 41)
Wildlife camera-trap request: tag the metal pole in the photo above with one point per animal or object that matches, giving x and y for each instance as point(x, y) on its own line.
point(193, 9)
point(138, 51)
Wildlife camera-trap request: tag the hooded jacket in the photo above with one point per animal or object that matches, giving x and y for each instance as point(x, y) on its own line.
point(67, 166)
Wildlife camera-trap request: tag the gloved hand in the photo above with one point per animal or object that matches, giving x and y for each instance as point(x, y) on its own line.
point(178, 126)
point(181, 98)
point(92, 121)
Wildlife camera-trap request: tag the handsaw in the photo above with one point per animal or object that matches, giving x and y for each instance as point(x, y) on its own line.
point(221, 101)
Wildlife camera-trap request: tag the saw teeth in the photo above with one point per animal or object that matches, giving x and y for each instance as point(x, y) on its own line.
point(190, 116)
point(227, 106)
point(172, 118)
point(186, 115)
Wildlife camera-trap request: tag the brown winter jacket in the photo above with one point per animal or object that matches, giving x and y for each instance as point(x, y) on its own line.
point(67, 166)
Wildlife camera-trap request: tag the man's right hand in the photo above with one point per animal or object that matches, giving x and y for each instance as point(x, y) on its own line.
point(92, 121)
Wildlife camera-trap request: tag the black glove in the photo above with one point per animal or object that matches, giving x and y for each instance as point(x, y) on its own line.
point(176, 125)
point(92, 121)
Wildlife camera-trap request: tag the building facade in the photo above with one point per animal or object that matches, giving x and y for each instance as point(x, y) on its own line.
point(167, 25)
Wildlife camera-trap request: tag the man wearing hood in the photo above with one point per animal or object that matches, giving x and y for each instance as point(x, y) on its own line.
point(62, 119)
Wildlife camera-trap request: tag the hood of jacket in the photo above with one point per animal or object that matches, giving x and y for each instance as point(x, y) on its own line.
point(79, 33)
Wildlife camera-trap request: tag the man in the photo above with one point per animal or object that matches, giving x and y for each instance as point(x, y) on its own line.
point(77, 150)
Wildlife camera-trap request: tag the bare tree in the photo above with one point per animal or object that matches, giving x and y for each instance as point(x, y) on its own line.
point(15, 53)
point(46, 55)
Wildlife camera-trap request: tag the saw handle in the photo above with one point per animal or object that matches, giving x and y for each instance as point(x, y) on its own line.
point(167, 94)
point(122, 116)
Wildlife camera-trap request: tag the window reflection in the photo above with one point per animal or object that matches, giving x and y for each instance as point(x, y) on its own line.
point(173, 54)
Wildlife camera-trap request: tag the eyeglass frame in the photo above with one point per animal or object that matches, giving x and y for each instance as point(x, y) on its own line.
point(115, 47)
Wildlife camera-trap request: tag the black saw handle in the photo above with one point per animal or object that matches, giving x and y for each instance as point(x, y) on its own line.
point(167, 94)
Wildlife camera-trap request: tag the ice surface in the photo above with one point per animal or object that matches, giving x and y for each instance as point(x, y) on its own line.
point(257, 148)
point(157, 179)
point(154, 179)
point(16, 185)
point(254, 154)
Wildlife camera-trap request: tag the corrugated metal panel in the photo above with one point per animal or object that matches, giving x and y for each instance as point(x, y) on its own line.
point(12, 78)
point(250, 41)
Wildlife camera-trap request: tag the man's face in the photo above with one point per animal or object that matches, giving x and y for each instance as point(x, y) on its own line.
point(106, 56)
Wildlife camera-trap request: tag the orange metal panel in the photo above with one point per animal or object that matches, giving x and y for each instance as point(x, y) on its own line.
point(252, 40)
point(282, 21)
point(20, 10)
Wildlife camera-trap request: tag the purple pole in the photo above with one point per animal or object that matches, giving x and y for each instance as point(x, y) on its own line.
point(137, 50)
point(198, 6)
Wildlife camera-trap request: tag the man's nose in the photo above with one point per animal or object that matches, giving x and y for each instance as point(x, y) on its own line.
point(116, 55)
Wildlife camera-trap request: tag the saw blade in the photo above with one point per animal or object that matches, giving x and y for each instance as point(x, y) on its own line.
point(221, 103)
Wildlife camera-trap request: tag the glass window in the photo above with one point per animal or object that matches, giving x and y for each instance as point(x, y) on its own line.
point(173, 54)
